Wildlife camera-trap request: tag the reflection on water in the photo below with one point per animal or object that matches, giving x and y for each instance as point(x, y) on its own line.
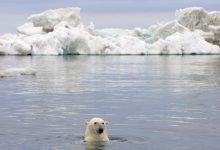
point(96, 146)
point(150, 102)
point(67, 74)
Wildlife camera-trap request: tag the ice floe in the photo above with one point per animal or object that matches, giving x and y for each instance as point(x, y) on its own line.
point(17, 72)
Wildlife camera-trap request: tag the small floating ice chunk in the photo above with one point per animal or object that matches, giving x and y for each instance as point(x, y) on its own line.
point(17, 72)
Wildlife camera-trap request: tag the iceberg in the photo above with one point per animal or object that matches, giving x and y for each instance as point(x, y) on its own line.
point(207, 23)
point(61, 32)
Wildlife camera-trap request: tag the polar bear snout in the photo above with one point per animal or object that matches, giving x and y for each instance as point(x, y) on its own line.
point(100, 130)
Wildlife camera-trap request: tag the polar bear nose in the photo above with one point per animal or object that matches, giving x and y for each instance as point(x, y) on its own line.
point(100, 130)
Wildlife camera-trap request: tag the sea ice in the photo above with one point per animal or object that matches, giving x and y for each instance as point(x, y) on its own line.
point(16, 72)
point(60, 32)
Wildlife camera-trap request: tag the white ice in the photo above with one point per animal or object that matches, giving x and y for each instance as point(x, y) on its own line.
point(60, 31)
point(17, 72)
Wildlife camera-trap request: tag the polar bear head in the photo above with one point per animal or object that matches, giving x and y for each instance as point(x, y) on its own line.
point(96, 130)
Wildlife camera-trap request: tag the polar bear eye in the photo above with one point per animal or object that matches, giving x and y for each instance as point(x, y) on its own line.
point(95, 122)
point(103, 123)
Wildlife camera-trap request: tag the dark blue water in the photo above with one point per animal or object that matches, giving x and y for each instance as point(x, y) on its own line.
point(150, 102)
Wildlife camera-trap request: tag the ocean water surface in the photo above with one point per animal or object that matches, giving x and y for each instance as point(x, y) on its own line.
point(150, 102)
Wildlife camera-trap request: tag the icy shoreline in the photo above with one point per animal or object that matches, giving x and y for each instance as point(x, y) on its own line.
point(61, 32)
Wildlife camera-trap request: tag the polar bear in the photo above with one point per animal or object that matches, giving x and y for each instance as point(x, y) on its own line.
point(96, 131)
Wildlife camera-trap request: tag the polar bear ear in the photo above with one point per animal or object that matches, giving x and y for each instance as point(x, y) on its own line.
point(86, 123)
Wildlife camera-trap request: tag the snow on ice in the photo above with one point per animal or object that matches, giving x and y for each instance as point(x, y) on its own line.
point(60, 32)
